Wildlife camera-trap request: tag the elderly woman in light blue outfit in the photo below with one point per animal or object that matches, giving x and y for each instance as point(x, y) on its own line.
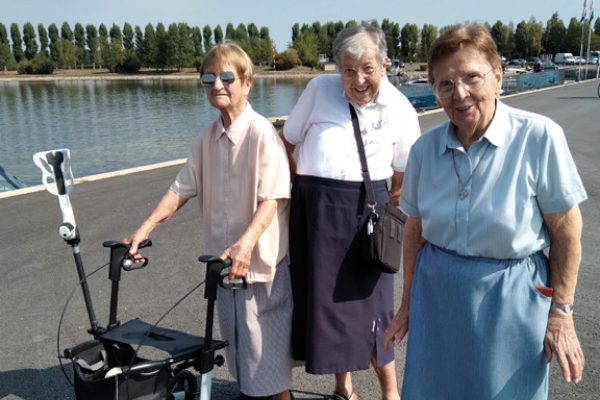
point(486, 193)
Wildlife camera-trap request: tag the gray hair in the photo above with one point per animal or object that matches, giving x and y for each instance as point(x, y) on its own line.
point(353, 41)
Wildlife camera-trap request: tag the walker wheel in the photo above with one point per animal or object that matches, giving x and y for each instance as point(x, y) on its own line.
point(183, 386)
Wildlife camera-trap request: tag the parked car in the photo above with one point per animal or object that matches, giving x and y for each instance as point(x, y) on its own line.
point(593, 60)
point(533, 59)
point(544, 66)
point(579, 60)
point(515, 61)
point(564, 58)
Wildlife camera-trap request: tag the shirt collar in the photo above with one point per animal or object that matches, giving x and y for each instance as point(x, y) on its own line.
point(496, 133)
point(238, 128)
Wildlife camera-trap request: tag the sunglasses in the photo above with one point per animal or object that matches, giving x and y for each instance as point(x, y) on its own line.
point(208, 80)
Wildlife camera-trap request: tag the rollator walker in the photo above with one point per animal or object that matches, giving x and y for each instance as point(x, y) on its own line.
point(107, 366)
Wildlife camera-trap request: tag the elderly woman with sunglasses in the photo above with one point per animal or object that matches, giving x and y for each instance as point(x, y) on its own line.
point(486, 193)
point(341, 307)
point(238, 170)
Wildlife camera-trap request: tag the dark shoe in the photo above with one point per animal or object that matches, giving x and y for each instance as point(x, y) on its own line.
point(339, 396)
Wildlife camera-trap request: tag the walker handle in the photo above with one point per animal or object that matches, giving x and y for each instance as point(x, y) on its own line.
point(57, 177)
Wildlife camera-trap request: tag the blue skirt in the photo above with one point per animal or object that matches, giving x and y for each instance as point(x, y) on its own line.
point(341, 307)
point(476, 328)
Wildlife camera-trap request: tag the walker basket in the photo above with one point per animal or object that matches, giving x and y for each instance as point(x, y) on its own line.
point(91, 365)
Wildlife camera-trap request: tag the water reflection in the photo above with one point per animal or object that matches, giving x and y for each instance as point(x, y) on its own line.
point(111, 125)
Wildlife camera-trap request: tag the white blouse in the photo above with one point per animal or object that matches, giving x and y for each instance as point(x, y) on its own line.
point(321, 121)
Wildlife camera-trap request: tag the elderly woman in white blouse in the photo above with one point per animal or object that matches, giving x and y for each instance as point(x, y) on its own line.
point(341, 307)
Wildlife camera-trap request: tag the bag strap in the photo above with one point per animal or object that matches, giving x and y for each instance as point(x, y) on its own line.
point(363, 159)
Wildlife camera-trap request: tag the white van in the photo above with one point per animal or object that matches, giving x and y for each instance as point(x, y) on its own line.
point(564, 59)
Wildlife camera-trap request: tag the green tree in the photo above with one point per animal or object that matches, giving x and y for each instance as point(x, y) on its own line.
point(554, 35)
point(197, 41)
point(572, 40)
point(510, 40)
point(207, 35)
point(230, 32)
point(409, 39)
point(115, 55)
point(43, 36)
point(498, 33)
point(218, 33)
point(5, 56)
point(102, 43)
point(67, 53)
point(161, 55)
point(266, 52)
point(351, 23)
point(241, 36)
point(535, 32)
point(115, 34)
point(3, 34)
point(149, 49)
point(79, 35)
point(93, 44)
point(428, 35)
point(307, 46)
point(128, 36)
point(597, 27)
point(65, 32)
point(53, 35)
point(522, 40)
point(17, 42)
point(392, 37)
point(182, 49)
point(31, 46)
point(295, 32)
point(139, 38)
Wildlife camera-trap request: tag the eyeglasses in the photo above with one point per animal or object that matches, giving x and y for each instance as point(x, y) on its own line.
point(472, 82)
point(227, 77)
point(350, 73)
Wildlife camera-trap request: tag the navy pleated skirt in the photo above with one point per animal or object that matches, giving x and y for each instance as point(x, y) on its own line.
point(341, 307)
point(476, 328)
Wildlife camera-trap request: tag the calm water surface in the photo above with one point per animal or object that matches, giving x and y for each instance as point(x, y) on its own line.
point(112, 125)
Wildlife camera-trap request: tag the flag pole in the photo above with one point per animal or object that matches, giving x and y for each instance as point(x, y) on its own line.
point(582, 21)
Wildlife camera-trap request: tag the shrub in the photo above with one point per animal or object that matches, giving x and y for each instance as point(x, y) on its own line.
point(287, 60)
point(130, 64)
point(423, 67)
point(25, 67)
point(43, 66)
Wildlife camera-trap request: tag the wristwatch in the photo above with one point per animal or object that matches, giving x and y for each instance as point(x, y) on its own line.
point(566, 308)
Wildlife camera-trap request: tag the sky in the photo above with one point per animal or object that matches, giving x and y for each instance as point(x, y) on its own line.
point(280, 15)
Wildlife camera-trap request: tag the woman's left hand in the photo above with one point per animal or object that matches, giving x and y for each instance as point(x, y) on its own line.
point(240, 255)
point(561, 340)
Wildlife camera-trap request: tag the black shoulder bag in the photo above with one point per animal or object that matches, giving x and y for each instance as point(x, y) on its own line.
point(381, 233)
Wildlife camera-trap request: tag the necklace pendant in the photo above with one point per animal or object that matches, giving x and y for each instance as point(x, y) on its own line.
point(463, 193)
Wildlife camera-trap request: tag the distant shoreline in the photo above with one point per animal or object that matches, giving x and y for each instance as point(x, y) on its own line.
point(144, 76)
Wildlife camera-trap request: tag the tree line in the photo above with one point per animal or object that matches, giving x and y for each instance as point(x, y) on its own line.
point(124, 50)
point(40, 50)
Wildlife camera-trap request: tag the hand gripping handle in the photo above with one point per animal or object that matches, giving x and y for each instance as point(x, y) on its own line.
point(57, 177)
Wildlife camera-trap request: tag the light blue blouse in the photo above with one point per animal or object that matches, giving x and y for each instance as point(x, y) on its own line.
point(521, 169)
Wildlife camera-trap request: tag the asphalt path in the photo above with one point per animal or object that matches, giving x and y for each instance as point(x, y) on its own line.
point(38, 272)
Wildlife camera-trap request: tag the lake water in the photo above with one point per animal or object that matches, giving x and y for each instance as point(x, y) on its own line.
point(112, 125)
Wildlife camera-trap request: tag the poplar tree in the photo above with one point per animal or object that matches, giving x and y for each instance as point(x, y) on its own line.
point(79, 35)
point(230, 32)
point(218, 33)
point(54, 48)
point(139, 38)
point(93, 44)
point(128, 37)
point(43, 36)
point(207, 34)
point(31, 46)
point(3, 34)
point(17, 43)
point(409, 38)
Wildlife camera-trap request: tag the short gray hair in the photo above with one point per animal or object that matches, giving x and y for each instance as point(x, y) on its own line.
point(353, 42)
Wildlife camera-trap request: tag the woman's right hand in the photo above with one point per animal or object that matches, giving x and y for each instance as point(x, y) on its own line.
point(398, 327)
point(134, 241)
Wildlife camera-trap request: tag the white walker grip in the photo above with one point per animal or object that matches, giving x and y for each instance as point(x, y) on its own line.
point(57, 177)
